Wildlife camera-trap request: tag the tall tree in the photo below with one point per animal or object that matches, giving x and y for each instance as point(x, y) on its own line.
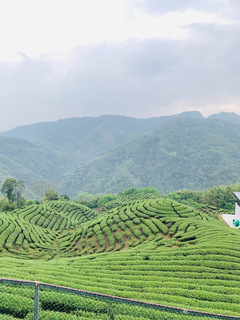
point(13, 189)
point(51, 195)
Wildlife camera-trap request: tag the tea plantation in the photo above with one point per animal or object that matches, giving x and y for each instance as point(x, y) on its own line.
point(154, 250)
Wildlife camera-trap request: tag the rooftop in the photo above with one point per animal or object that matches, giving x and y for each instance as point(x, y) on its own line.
point(228, 218)
point(237, 194)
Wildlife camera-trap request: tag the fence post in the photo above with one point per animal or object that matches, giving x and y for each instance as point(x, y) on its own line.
point(36, 298)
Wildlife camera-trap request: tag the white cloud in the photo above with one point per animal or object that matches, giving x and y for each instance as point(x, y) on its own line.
point(86, 58)
point(207, 105)
point(35, 27)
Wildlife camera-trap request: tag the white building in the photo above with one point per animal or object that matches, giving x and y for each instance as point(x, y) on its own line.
point(230, 218)
point(237, 206)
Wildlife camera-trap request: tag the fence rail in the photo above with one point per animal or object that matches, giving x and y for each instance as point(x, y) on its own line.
point(21, 299)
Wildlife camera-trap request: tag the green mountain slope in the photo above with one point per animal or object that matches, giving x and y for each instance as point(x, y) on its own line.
point(29, 162)
point(153, 250)
point(80, 140)
point(111, 153)
point(183, 153)
point(227, 116)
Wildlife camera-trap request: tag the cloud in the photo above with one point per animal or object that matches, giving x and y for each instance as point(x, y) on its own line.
point(162, 6)
point(140, 77)
point(135, 78)
point(61, 25)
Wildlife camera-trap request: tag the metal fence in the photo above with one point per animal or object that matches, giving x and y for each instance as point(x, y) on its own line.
point(36, 300)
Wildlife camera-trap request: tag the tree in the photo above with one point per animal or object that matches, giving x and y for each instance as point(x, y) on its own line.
point(64, 197)
point(51, 195)
point(5, 205)
point(133, 190)
point(13, 189)
point(41, 187)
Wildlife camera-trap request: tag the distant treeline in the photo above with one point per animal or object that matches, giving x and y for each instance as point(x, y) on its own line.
point(99, 200)
point(221, 197)
point(12, 190)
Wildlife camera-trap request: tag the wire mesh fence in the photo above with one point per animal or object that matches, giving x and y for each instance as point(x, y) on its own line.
point(36, 300)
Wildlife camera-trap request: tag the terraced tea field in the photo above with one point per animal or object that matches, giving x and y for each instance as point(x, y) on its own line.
point(159, 222)
point(121, 200)
point(34, 230)
point(154, 250)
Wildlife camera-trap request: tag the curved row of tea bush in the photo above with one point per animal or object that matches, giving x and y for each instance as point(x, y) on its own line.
point(34, 230)
point(134, 223)
point(196, 277)
point(172, 255)
point(17, 302)
point(122, 200)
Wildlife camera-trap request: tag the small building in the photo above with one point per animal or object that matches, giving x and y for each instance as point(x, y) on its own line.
point(233, 220)
point(237, 206)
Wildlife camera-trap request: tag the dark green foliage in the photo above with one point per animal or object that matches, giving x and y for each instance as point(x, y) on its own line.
point(50, 195)
point(221, 197)
point(14, 305)
point(95, 201)
point(13, 189)
point(133, 191)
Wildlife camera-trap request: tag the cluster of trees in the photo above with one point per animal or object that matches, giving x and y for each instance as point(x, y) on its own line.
point(13, 197)
point(221, 197)
point(44, 190)
point(99, 200)
point(12, 194)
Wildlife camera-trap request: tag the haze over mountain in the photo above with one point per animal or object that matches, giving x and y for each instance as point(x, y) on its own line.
point(139, 58)
point(110, 153)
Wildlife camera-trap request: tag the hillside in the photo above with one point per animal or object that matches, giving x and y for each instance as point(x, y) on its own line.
point(28, 162)
point(112, 153)
point(83, 139)
point(183, 153)
point(153, 250)
point(34, 230)
point(100, 133)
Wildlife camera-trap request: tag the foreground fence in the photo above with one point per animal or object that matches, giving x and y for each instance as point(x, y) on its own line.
point(36, 300)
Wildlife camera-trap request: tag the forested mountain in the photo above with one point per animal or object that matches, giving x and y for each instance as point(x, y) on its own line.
point(29, 162)
point(184, 153)
point(111, 153)
point(227, 116)
point(83, 139)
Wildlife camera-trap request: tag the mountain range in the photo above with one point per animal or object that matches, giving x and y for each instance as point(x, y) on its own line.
point(110, 153)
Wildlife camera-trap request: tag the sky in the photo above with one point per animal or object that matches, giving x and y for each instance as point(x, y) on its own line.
point(138, 58)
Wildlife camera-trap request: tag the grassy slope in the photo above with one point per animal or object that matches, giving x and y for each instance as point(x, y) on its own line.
point(154, 250)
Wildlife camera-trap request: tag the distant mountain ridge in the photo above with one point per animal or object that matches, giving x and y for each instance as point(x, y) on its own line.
point(94, 136)
point(110, 153)
point(227, 116)
point(193, 154)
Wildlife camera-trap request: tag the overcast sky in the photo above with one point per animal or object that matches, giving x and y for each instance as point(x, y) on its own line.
point(139, 58)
